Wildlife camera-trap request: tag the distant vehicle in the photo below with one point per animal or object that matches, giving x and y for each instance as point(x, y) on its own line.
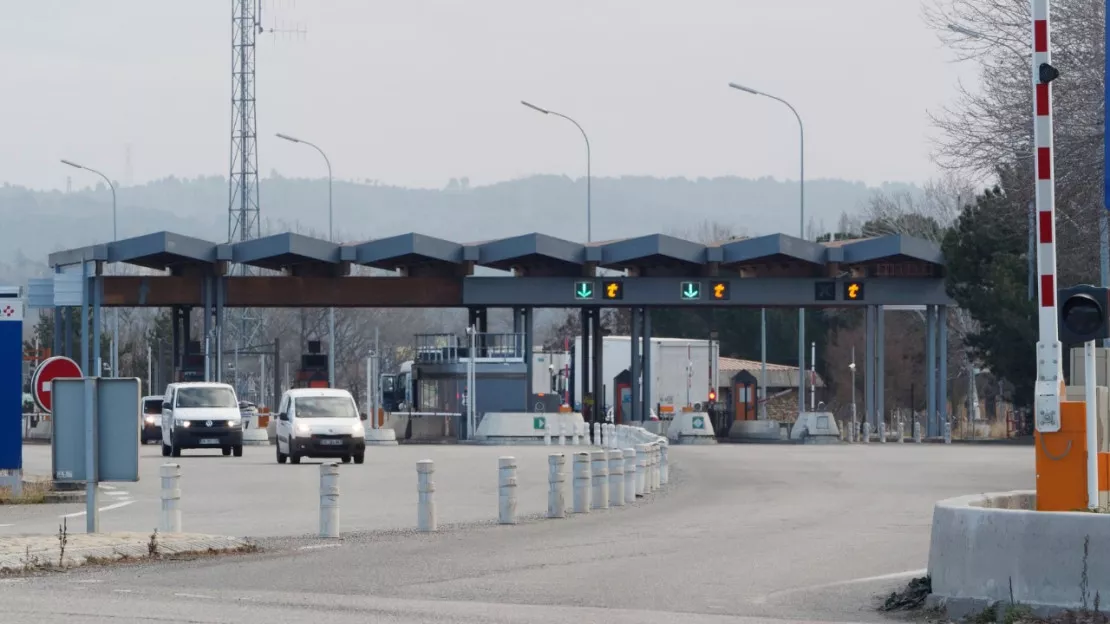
point(397, 388)
point(319, 422)
point(152, 419)
point(201, 415)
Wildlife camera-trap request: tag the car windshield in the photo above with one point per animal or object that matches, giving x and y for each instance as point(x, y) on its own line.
point(206, 396)
point(325, 407)
point(152, 406)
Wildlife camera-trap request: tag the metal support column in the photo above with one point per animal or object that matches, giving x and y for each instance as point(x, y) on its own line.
point(869, 366)
point(880, 365)
point(584, 356)
point(634, 339)
point(646, 367)
point(931, 371)
point(221, 295)
point(206, 339)
point(59, 329)
point(277, 377)
point(67, 325)
point(942, 362)
point(525, 320)
point(86, 296)
point(98, 295)
point(598, 368)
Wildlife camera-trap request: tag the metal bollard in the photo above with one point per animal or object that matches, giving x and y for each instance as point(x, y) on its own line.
point(866, 433)
point(506, 490)
point(170, 521)
point(882, 433)
point(599, 471)
point(616, 477)
point(581, 483)
point(916, 431)
point(574, 440)
point(641, 469)
point(562, 434)
point(546, 432)
point(629, 474)
point(947, 432)
point(901, 432)
point(425, 488)
point(329, 500)
point(556, 476)
point(664, 467)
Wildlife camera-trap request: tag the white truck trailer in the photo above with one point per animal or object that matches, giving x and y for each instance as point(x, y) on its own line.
point(681, 369)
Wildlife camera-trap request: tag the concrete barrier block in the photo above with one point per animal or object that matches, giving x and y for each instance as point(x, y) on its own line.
point(687, 428)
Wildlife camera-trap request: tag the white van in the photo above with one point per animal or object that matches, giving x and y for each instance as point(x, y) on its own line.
point(319, 422)
point(201, 415)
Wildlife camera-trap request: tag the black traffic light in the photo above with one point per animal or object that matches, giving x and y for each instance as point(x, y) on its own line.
point(1082, 314)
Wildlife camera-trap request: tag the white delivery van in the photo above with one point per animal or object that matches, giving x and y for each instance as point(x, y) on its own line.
point(319, 422)
point(201, 415)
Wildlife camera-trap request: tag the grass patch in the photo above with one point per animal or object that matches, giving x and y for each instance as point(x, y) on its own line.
point(34, 493)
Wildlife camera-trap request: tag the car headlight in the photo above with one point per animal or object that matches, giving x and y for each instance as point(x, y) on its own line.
point(357, 429)
point(183, 423)
point(149, 419)
point(302, 428)
point(233, 423)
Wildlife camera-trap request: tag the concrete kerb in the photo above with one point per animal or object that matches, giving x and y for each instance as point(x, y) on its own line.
point(994, 548)
point(27, 553)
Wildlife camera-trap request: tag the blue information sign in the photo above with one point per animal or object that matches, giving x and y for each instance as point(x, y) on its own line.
point(11, 379)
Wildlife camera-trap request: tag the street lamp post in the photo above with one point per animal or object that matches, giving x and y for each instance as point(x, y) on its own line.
point(801, 234)
point(331, 236)
point(114, 355)
point(589, 213)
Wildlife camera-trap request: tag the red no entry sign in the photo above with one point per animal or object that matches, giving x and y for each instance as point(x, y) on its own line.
point(57, 367)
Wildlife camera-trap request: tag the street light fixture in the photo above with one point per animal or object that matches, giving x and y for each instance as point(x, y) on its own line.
point(589, 212)
point(331, 236)
point(801, 233)
point(114, 355)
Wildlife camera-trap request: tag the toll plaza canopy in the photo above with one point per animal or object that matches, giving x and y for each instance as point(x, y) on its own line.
point(293, 270)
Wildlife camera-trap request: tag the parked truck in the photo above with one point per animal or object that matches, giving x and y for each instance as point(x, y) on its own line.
point(681, 369)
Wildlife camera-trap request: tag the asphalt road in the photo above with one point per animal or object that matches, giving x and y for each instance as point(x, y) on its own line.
point(743, 534)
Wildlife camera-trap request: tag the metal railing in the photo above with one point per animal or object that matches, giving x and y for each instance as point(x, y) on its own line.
point(450, 348)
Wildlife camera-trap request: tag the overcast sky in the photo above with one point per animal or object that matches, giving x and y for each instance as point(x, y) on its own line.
point(415, 92)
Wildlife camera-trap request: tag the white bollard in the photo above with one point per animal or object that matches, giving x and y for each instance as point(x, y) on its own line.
point(574, 440)
point(581, 483)
point(852, 433)
point(664, 467)
point(506, 490)
point(901, 432)
point(616, 477)
point(916, 431)
point(840, 430)
point(612, 436)
point(629, 474)
point(595, 439)
point(170, 521)
point(546, 432)
point(556, 476)
point(655, 461)
point(866, 433)
point(882, 433)
point(562, 434)
point(947, 432)
point(599, 471)
point(329, 499)
point(425, 488)
point(641, 469)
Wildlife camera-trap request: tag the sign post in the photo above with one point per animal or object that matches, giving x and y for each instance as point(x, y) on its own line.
point(11, 389)
point(95, 434)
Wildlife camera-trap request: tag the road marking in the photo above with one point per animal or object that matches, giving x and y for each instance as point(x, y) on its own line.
point(108, 508)
point(107, 487)
point(122, 591)
point(318, 546)
point(89, 581)
point(118, 494)
point(193, 596)
point(867, 579)
point(6, 525)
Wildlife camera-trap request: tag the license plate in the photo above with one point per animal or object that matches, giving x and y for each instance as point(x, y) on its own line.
point(209, 441)
point(332, 442)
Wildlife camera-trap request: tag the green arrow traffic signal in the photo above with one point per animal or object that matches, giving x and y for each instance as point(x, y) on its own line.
point(691, 290)
point(583, 290)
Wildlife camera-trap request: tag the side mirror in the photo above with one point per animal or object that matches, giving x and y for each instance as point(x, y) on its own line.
point(283, 417)
point(166, 405)
point(363, 416)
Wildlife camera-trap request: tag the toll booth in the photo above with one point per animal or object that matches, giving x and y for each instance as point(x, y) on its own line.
point(622, 397)
point(192, 363)
point(744, 392)
point(313, 372)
